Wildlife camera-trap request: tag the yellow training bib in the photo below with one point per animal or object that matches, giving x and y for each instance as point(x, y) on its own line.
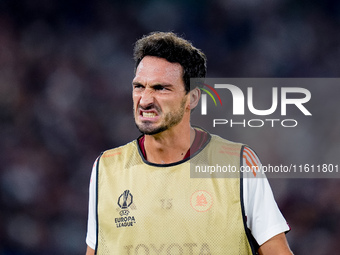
point(144, 208)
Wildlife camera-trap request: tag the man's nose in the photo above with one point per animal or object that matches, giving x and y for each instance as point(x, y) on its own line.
point(147, 98)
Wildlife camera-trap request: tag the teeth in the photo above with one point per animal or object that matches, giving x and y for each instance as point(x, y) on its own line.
point(149, 114)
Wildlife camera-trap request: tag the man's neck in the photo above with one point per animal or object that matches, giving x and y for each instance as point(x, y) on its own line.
point(169, 146)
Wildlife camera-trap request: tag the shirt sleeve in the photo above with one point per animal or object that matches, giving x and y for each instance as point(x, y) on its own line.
point(264, 218)
point(91, 238)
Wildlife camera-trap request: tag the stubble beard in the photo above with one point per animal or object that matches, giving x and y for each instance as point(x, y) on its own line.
point(171, 119)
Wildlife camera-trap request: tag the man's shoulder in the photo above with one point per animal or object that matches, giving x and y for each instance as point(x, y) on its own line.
point(219, 141)
point(216, 140)
point(123, 150)
point(220, 148)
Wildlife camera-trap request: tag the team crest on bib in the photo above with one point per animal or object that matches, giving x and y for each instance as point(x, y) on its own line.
point(125, 202)
point(201, 201)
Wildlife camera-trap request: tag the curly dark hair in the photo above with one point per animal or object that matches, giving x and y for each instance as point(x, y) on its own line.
point(174, 49)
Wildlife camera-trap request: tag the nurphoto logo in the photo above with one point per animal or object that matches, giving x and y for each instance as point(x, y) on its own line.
point(278, 99)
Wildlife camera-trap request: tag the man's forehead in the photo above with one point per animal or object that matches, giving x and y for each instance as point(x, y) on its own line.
point(155, 67)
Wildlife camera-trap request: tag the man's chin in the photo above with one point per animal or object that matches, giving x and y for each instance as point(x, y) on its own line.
point(148, 130)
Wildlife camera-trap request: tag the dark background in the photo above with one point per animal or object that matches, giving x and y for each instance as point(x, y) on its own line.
point(65, 95)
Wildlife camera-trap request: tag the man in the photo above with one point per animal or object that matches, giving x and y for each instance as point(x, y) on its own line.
point(142, 199)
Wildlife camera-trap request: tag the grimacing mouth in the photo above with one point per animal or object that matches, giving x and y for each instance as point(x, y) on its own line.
point(148, 113)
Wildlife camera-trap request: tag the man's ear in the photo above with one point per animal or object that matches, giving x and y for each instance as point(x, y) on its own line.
point(195, 95)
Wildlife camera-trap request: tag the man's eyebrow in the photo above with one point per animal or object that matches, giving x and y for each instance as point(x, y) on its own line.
point(154, 84)
point(162, 84)
point(136, 83)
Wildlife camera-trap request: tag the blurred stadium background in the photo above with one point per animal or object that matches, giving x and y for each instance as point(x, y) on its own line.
point(65, 86)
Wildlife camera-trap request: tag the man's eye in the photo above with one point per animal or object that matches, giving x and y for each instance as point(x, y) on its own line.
point(159, 87)
point(137, 86)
